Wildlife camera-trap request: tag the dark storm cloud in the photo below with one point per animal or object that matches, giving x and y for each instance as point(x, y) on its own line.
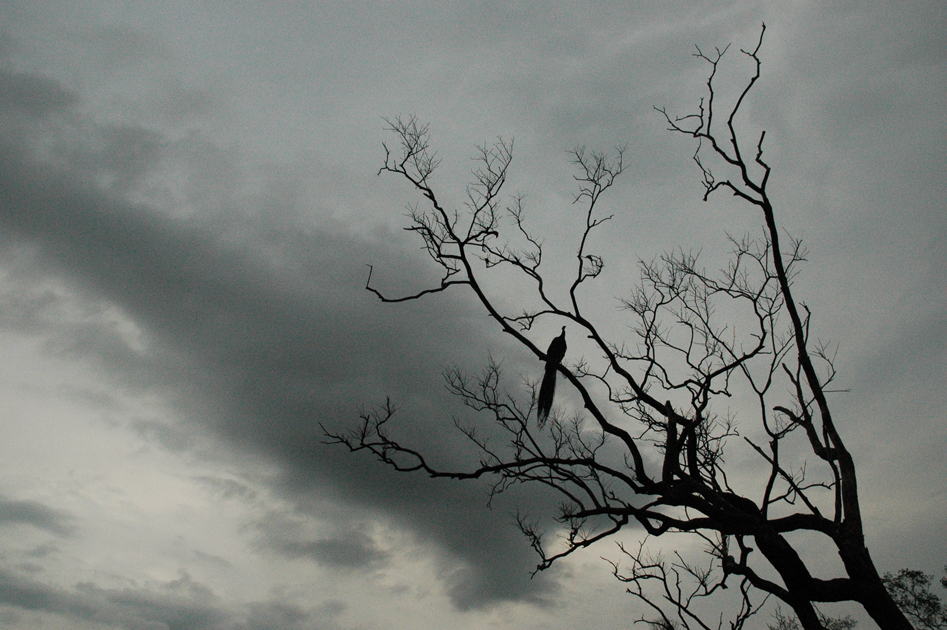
point(482, 557)
point(350, 550)
point(261, 330)
point(37, 515)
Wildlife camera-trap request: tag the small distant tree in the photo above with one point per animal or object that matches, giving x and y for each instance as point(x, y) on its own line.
point(647, 447)
point(911, 591)
point(788, 622)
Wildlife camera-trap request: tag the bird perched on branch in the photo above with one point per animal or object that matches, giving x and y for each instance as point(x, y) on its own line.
point(554, 355)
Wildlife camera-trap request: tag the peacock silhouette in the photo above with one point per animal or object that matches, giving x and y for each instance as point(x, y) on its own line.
point(554, 355)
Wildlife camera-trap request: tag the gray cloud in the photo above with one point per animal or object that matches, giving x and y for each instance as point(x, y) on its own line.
point(42, 551)
point(177, 605)
point(33, 94)
point(228, 488)
point(170, 437)
point(37, 515)
point(350, 550)
point(180, 604)
point(276, 615)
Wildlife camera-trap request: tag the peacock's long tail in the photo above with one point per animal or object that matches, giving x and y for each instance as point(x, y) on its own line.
point(547, 392)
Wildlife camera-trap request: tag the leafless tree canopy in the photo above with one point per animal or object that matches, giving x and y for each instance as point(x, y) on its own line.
point(661, 397)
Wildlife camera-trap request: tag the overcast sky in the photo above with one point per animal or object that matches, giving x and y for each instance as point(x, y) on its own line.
point(189, 200)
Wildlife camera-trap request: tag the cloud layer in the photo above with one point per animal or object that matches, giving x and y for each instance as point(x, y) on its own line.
point(188, 203)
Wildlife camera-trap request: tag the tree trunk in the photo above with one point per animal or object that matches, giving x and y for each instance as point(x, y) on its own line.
point(875, 597)
point(882, 609)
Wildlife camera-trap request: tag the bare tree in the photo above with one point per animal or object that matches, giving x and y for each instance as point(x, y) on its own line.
point(659, 400)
